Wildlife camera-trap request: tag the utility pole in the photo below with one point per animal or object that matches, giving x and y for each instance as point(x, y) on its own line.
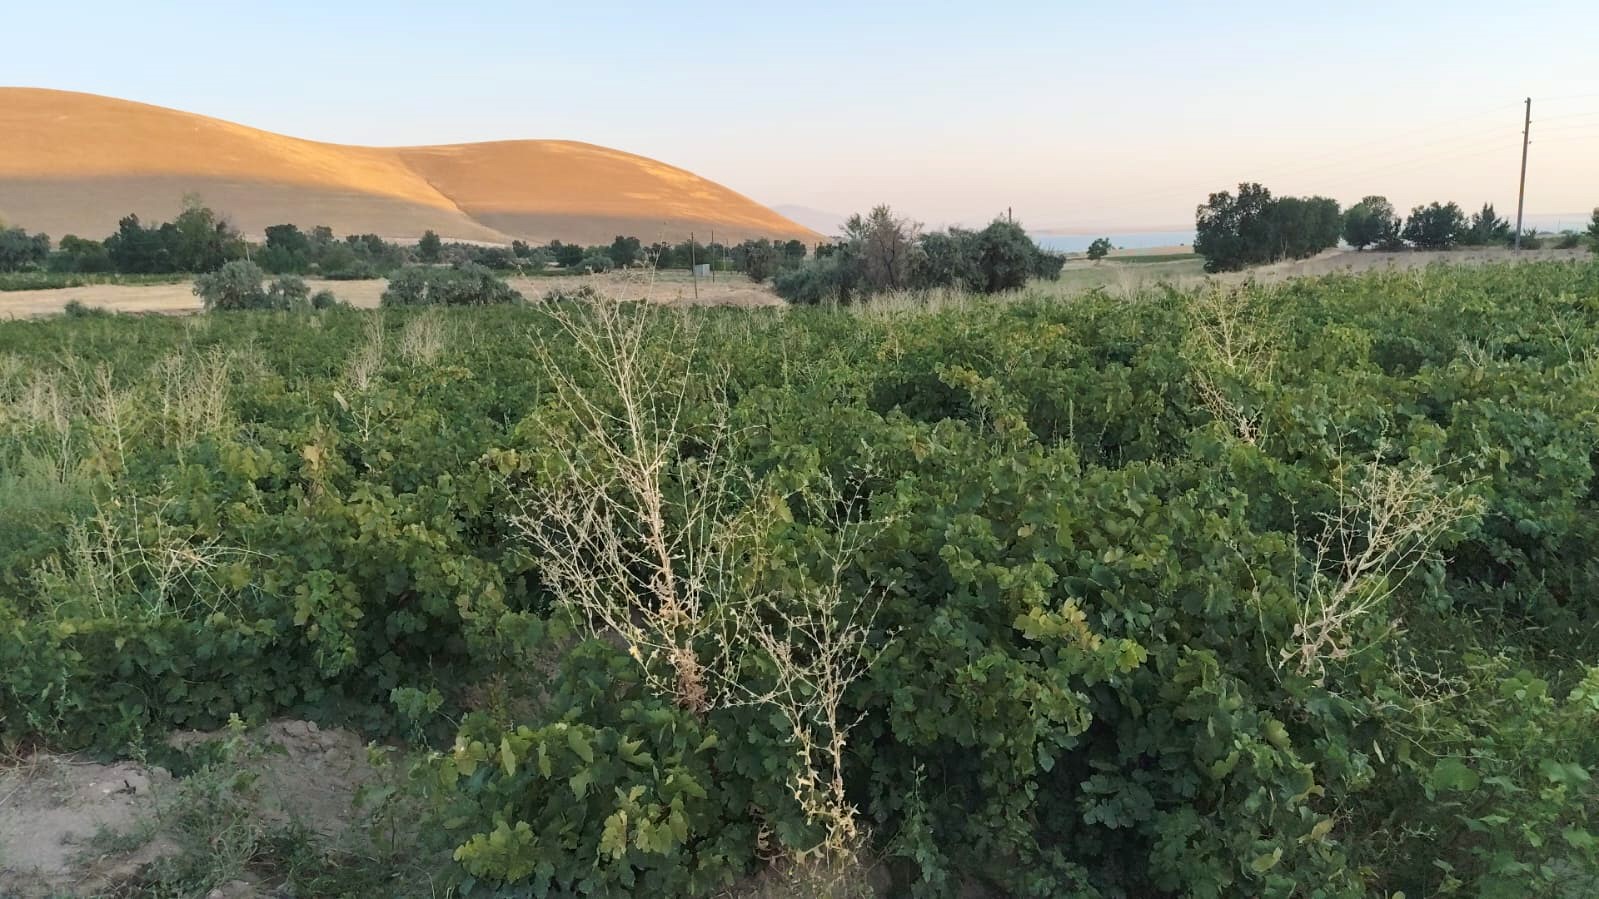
point(1521, 197)
point(693, 268)
point(708, 253)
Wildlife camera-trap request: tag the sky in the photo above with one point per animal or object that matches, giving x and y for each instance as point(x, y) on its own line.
point(1076, 116)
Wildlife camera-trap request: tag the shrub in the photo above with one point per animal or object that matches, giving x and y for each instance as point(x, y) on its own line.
point(357, 270)
point(76, 309)
point(596, 263)
point(582, 293)
point(1568, 240)
point(288, 292)
point(826, 279)
point(234, 287)
point(463, 284)
point(324, 299)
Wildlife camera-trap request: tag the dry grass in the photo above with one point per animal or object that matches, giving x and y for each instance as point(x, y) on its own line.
point(1386, 525)
point(74, 163)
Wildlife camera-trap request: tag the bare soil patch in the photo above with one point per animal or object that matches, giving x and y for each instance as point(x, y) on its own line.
point(73, 827)
point(729, 289)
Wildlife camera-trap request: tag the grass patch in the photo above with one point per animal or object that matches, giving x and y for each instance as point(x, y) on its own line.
point(1153, 257)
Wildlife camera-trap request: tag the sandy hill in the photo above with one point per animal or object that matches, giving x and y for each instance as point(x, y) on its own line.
point(76, 163)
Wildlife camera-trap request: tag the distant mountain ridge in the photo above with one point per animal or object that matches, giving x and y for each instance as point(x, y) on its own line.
point(818, 220)
point(74, 163)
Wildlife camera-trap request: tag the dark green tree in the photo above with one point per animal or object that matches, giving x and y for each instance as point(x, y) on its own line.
point(567, 255)
point(137, 250)
point(1366, 223)
point(20, 250)
point(948, 259)
point(1486, 228)
point(1099, 249)
point(624, 251)
point(77, 254)
point(1006, 256)
point(1232, 232)
point(199, 240)
point(1435, 226)
point(287, 250)
point(1593, 231)
point(429, 249)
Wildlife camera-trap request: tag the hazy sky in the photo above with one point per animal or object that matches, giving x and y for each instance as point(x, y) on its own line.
point(1096, 115)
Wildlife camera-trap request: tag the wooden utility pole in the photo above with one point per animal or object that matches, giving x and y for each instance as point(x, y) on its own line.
point(708, 253)
point(1521, 197)
point(693, 268)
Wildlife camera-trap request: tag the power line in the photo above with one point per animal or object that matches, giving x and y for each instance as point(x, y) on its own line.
point(1469, 144)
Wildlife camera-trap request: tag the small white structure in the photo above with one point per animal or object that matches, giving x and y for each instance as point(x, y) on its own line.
point(703, 270)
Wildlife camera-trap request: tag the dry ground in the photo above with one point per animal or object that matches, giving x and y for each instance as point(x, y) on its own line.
point(73, 827)
point(729, 289)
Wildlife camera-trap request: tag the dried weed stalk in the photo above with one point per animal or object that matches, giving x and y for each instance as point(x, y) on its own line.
point(1387, 523)
point(1231, 340)
point(645, 527)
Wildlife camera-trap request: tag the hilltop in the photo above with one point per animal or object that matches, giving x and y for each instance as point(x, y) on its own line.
point(73, 163)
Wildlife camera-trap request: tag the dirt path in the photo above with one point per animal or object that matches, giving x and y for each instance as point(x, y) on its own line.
point(173, 299)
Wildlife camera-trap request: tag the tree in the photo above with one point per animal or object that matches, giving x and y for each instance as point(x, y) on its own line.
point(1435, 226)
point(624, 251)
point(884, 243)
point(200, 241)
point(287, 250)
point(1366, 223)
point(138, 250)
point(567, 255)
point(429, 249)
point(1005, 256)
point(1593, 231)
point(1486, 228)
point(1099, 249)
point(1232, 232)
point(947, 259)
point(77, 254)
point(20, 250)
point(760, 260)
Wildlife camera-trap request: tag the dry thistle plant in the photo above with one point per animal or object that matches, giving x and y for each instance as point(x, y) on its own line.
point(193, 393)
point(422, 340)
point(145, 566)
point(366, 364)
point(634, 535)
point(1230, 339)
point(649, 542)
point(1387, 523)
point(814, 643)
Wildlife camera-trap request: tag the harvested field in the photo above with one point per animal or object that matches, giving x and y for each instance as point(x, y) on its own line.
point(678, 288)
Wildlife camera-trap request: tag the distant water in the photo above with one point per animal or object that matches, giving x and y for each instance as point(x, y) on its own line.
point(1076, 243)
